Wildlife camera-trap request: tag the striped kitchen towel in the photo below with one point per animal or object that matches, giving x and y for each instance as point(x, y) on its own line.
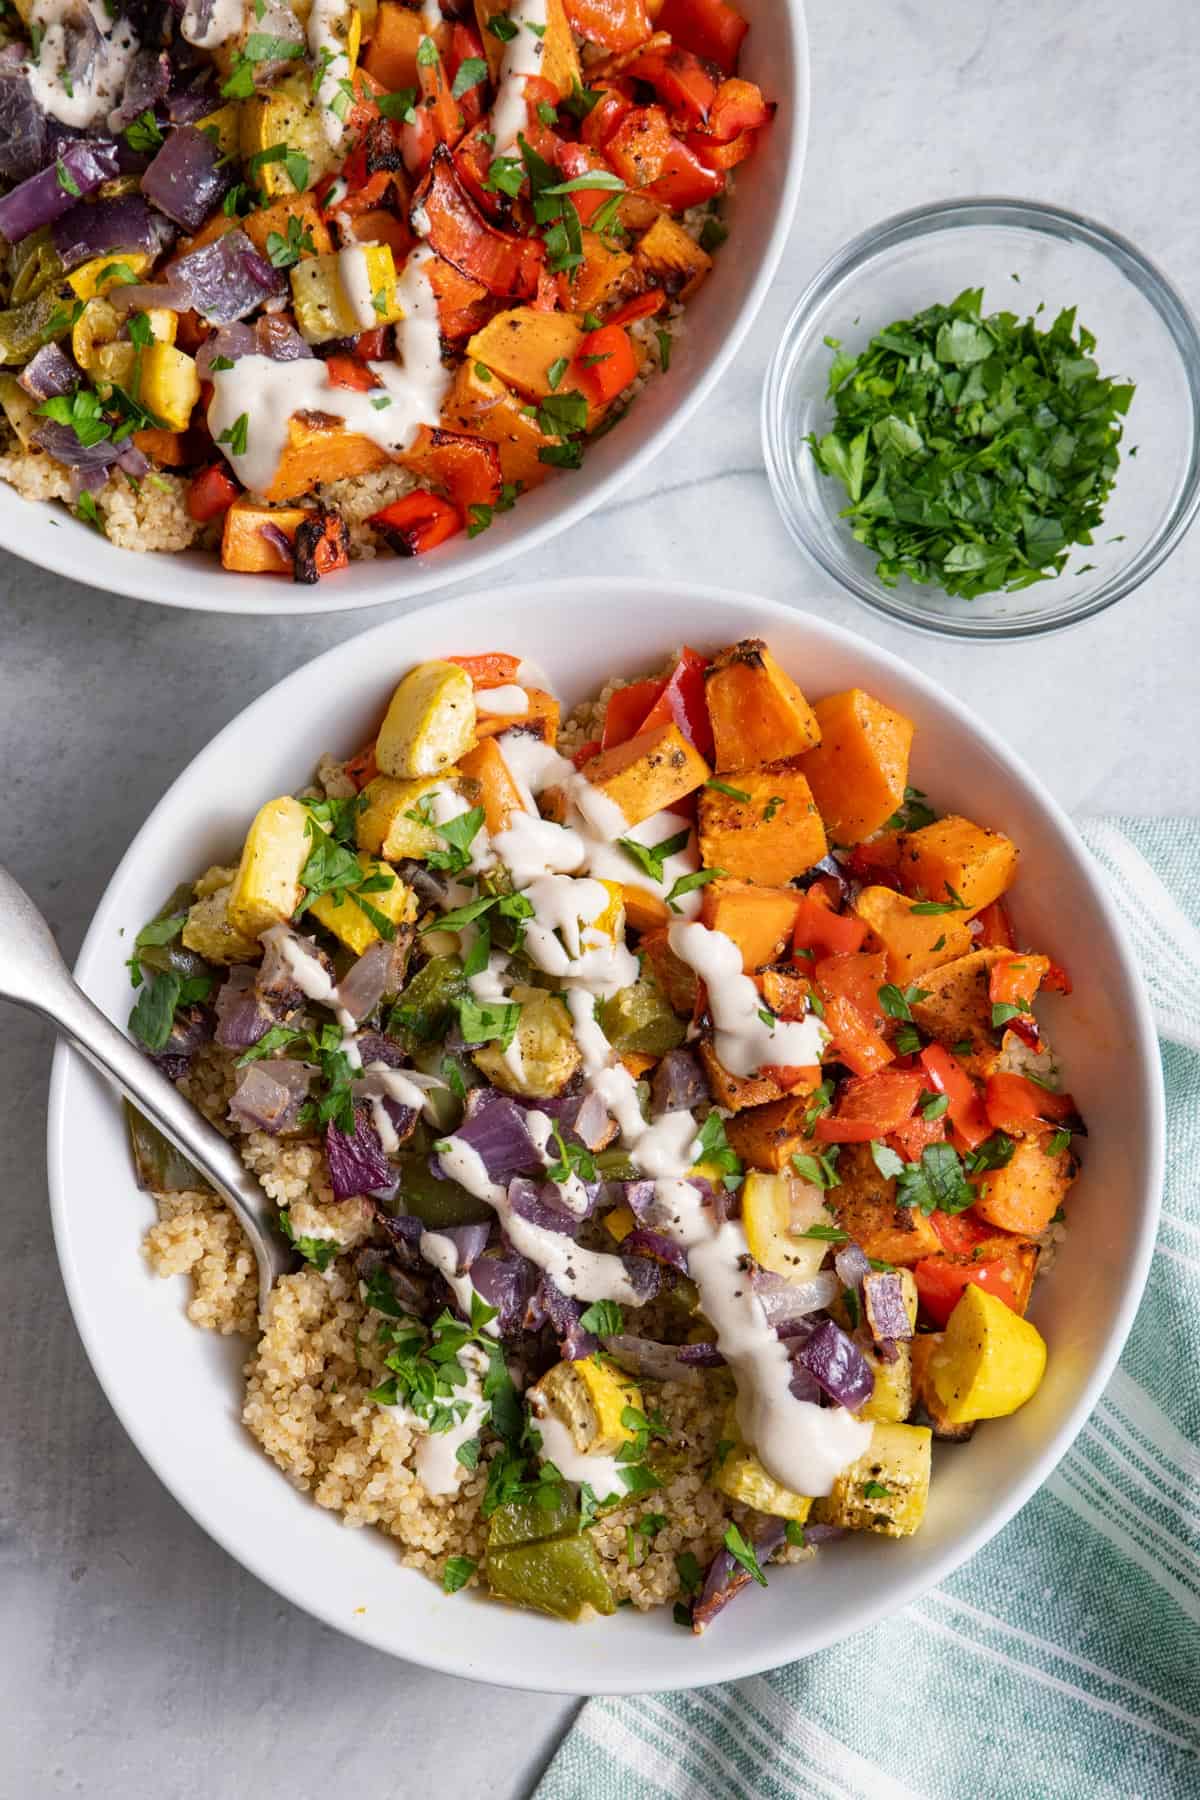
point(1063, 1661)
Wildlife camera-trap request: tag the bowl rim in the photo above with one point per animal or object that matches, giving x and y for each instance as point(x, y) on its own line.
point(146, 575)
point(98, 948)
point(1004, 211)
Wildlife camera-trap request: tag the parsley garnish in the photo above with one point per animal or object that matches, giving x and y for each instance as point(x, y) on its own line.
point(319, 1251)
point(820, 1169)
point(743, 1553)
point(237, 435)
point(651, 857)
point(456, 1574)
point(714, 1147)
point(688, 883)
point(143, 134)
point(482, 1021)
point(471, 71)
point(284, 251)
point(1004, 1010)
point(603, 1318)
point(897, 1003)
point(954, 904)
point(723, 787)
point(573, 1159)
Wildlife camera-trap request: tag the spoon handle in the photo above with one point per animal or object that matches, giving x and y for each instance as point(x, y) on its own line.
point(34, 975)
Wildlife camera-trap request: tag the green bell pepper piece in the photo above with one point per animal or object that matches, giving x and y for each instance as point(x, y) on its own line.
point(159, 1166)
point(425, 1008)
point(549, 1513)
point(639, 1020)
point(560, 1576)
point(436, 1203)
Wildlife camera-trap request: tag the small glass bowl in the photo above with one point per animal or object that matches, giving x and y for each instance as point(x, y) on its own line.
point(1024, 255)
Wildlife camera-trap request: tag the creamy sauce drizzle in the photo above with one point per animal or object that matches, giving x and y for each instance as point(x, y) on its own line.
point(328, 29)
point(503, 700)
point(522, 56)
point(602, 1473)
point(226, 19)
point(269, 393)
point(84, 95)
point(743, 1038)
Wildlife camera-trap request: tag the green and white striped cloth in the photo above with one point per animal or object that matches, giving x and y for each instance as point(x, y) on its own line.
point(1063, 1662)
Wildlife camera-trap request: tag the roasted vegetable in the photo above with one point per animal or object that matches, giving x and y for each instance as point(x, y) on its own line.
point(758, 713)
point(649, 774)
point(768, 1137)
point(559, 61)
point(430, 722)
point(668, 258)
point(761, 825)
point(296, 221)
point(887, 1488)
point(742, 1477)
point(319, 449)
point(390, 824)
point(562, 1576)
point(544, 1054)
point(247, 547)
point(1026, 1193)
point(864, 1203)
point(638, 1019)
point(590, 1398)
point(168, 384)
point(435, 1202)
point(209, 932)
point(778, 1212)
point(759, 920)
point(325, 292)
point(159, 1166)
point(914, 941)
point(391, 55)
point(522, 346)
point(990, 1360)
point(286, 114)
point(266, 888)
point(347, 918)
point(955, 1007)
point(954, 860)
point(859, 770)
point(480, 402)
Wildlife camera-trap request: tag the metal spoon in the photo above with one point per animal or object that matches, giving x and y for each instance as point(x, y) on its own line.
point(34, 975)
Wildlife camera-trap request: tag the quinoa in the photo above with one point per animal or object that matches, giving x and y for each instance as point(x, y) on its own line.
point(146, 515)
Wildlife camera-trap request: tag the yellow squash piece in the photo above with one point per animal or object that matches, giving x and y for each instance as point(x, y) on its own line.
point(224, 127)
point(589, 1397)
point(350, 924)
point(103, 272)
point(429, 724)
point(386, 827)
point(287, 114)
point(544, 1054)
point(740, 1475)
point(168, 384)
point(887, 1488)
point(266, 888)
point(991, 1361)
point(209, 932)
point(776, 1212)
point(344, 293)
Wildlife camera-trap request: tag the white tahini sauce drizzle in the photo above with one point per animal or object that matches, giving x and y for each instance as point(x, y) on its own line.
point(609, 862)
point(441, 1253)
point(503, 701)
point(328, 29)
point(355, 277)
point(269, 393)
point(602, 1473)
point(522, 56)
point(87, 94)
point(743, 1038)
point(225, 19)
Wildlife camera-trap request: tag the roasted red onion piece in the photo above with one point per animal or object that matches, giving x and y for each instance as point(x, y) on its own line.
point(108, 227)
point(357, 1165)
point(641, 1241)
point(22, 127)
point(506, 1283)
point(783, 1301)
point(701, 1356)
point(226, 279)
point(242, 1019)
point(270, 1094)
point(50, 193)
point(470, 1242)
point(726, 1576)
point(838, 1365)
point(883, 1299)
point(60, 442)
point(147, 82)
point(851, 1265)
point(380, 970)
point(495, 1129)
point(679, 1084)
point(187, 177)
point(564, 1314)
point(538, 1204)
point(651, 1361)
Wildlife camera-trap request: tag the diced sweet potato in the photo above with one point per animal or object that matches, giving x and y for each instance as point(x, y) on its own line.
point(560, 59)
point(318, 449)
point(959, 1009)
point(767, 1137)
point(243, 544)
point(760, 920)
point(865, 1204)
point(1024, 1196)
point(522, 345)
point(480, 402)
point(675, 979)
point(391, 56)
point(644, 911)
point(494, 788)
point(758, 713)
point(258, 226)
point(771, 835)
point(785, 992)
point(954, 857)
point(668, 258)
point(649, 773)
point(599, 277)
point(860, 769)
point(736, 1092)
point(913, 941)
point(539, 720)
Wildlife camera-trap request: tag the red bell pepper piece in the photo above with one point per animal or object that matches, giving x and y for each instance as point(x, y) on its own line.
point(574, 160)
point(856, 976)
point(605, 116)
point(362, 766)
point(712, 28)
point(941, 1279)
point(604, 364)
point(1056, 980)
point(960, 1232)
point(715, 155)
point(648, 157)
point(1015, 1103)
point(1014, 980)
point(642, 306)
point(853, 1040)
point(871, 1106)
point(417, 522)
point(585, 752)
point(683, 701)
point(466, 45)
point(995, 929)
point(965, 1108)
point(616, 25)
point(738, 106)
point(877, 863)
point(626, 709)
point(371, 346)
point(684, 181)
point(438, 101)
point(210, 494)
point(349, 372)
point(825, 932)
point(495, 668)
point(504, 265)
point(681, 81)
point(790, 1076)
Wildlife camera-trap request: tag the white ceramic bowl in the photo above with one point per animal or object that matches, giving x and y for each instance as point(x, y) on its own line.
point(177, 1390)
point(760, 217)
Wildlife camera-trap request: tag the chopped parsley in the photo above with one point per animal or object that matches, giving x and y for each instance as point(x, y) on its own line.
point(820, 1169)
point(603, 1318)
point(318, 1251)
point(650, 858)
point(712, 1146)
point(897, 1003)
point(723, 787)
point(743, 1553)
point(456, 1573)
point(237, 435)
point(283, 251)
point(688, 883)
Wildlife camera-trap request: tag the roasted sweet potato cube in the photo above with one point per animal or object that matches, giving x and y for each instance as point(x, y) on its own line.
point(914, 941)
point(958, 1009)
point(649, 773)
point(865, 1204)
point(758, 713)
point(666, 257)
point(391, 55)
point(676, 980)
point(487, 782)
point(644, 911)
point(772, 834)
point(560, 58)
point(539, 720)
point(599, 277)
point(760, 920)
point(767, 1137)
point(319, 448)
point(258, 226)
point(1026, 1193)
point(522, 345)
point(785, 991)
point(736, 1092)
point(245, 547)
point(480, 402)
point(859, 771)
point(954, 857)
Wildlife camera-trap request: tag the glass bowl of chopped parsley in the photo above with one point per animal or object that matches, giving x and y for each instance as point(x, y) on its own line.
point(983, 418)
